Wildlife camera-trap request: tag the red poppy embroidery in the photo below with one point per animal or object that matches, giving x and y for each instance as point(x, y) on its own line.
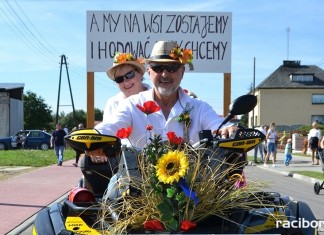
point(173, 138)
point(149, 107)
point(124, 133)
point(149, 127)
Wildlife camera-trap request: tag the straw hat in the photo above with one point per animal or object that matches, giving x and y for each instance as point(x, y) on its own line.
point(169, 51)
point(122, 59)
point(161, 52)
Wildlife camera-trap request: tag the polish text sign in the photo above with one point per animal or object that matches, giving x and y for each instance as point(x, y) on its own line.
point(208, 34)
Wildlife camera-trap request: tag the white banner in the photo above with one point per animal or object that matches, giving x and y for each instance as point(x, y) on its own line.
point(208, 34)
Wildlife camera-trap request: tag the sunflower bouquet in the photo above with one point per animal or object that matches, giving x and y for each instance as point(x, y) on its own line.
point(179, 186)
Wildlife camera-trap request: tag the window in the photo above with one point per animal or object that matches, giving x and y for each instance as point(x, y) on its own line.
point(302, 77)
point(318, 99)
point(318, 118)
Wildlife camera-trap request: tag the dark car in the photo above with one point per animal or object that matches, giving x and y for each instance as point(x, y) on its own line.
point(27, 139)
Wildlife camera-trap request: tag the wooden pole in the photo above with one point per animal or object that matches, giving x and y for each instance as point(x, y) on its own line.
point(227, 93)
point(90, 100)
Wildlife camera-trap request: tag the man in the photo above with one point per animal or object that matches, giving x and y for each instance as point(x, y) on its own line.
point(57, 142)
point(259, 147)
point(166, 67)
point(77, 151)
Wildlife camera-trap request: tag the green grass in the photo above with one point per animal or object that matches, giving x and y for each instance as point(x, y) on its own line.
point(313, 174)
point(33, 158)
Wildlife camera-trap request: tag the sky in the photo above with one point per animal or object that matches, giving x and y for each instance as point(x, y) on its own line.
point(36, 33)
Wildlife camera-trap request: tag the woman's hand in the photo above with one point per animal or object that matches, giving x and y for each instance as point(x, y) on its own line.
point(97, 156)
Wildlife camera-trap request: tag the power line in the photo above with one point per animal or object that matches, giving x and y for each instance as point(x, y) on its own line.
point(22, 26)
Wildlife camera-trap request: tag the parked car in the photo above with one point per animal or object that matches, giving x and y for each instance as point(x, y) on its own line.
point(27, 139)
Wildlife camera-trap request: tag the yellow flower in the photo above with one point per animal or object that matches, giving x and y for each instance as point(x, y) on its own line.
point(172, 166)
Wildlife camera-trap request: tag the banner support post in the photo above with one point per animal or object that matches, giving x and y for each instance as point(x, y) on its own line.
point(227, 93)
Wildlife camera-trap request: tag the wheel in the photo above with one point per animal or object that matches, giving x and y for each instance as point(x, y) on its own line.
point(2, 146)
point(44, 146)
point(317, 187)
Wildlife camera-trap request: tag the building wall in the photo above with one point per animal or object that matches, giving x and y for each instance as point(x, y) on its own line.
point(16, 116)
point(4, 114)
point(286, 106)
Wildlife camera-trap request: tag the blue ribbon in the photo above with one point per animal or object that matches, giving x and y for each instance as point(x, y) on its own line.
point(189, 193)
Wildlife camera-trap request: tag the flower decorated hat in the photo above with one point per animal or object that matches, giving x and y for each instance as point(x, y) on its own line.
point(169, 51)
point(122, 59)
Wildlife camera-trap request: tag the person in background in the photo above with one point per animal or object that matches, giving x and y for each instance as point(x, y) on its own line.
point(259, 147)
point(282, 139)
point(77, 151)
point(321, 151)
point(58, 143)
point(127, 72)
point(265, 128)
point(271, 145)
point(314, 136)
point(288, 152)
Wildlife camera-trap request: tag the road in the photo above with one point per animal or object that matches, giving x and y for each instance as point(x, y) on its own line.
point(297, 189)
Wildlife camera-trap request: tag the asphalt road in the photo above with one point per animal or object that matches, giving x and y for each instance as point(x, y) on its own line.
point(299, 190)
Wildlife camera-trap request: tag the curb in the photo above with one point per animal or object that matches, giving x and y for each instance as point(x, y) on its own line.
point(293, 175)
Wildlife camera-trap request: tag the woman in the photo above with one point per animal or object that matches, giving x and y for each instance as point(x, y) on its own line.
point(128, 73)
point(271, 138)
point(314, 136)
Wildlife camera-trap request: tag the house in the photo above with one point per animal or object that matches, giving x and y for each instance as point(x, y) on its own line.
point(292, 95)
point(11, 108)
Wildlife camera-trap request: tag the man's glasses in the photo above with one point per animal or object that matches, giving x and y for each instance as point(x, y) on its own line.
point(171, 68)
point(128, 75)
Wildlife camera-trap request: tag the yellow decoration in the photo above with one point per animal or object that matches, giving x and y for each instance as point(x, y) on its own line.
point(171, 167)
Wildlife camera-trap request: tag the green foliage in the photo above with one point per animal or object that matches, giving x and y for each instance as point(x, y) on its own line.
point(37, 114)
point(244, 119)
point(33, 158)
point(70, 121)
point(305, 129)
point(98, 114)
point(313, 174)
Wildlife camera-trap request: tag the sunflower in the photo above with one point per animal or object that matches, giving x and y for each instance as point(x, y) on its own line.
point(171, 167)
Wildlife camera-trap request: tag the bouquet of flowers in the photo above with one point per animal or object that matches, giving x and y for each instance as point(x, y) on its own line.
point(179, 185)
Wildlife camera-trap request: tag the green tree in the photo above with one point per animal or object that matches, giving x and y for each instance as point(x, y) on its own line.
point(37, 114)
point(244, 119)
point(69, 121)
point(98, 114)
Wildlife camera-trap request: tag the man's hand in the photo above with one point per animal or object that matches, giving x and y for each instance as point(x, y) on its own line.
point(97, 156)
point(227, 132)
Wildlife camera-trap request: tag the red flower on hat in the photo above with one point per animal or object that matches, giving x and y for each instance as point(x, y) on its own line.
point(173, 138)
point(149, 107)
point(153, 225)
point(124, 133)
point(187, 225)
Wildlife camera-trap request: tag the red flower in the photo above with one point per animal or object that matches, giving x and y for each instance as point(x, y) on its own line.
point(187, 225)
point(149, 127)
point(149, 107)
point(153, 225)
point(124, 133)
point(173, 138)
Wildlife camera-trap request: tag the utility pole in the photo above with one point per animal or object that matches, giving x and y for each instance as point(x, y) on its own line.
point(63, 62)
point(253, 119)
point(288, 31)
